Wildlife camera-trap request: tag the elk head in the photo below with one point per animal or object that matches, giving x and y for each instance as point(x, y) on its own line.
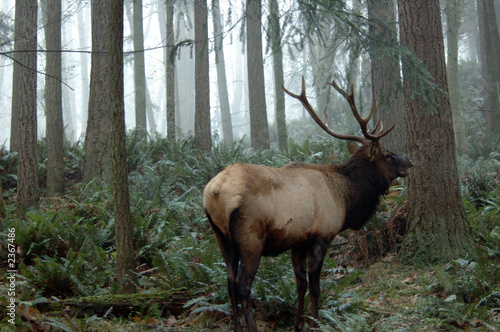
point(390, 165)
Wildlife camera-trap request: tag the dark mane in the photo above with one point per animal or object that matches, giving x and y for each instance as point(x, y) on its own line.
point(365, 188)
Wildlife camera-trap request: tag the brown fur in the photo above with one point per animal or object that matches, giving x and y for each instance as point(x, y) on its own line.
point(257, 211)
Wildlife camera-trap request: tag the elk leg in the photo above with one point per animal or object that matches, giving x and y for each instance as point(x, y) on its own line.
point(316, 256)
point(299, 261)
point(232, 261)
point(250, 261)
point(230, 254)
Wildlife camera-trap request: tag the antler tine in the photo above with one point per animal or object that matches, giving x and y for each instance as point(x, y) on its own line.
point(373, 135)
point(305, 102)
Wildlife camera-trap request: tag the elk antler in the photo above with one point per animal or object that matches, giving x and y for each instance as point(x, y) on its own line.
point(373, 135)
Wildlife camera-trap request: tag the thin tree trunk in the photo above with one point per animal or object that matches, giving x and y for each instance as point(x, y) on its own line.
point(202, 132)
point(437, 228)
point(24, 102)
point(84, 69)
point(139, 70)
point(259, 131)
point(386, 78)
point(97, 159)
point(125, 257)
point(279, 80)
point(453, 13)
point(51, 10)
point(490, 63)
point(227, 125)
point(170, 71)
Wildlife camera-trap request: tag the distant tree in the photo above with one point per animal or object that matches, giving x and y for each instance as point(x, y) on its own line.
point(227, 125)
point(453, 11)
point(139, 69)
point(121, 199)
point(279, 81)
point(51, 11)
point(84, 68)
point(437, 228)
point(24, 102)
point(490, 64)
point(202, 133)
point(170, 70)
point(97, 159)
point(385, 71)
point(259, 130)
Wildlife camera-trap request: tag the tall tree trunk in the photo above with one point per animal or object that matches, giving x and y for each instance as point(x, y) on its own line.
point(279, 80)
point(437, 228)
point(51, 10)
point(170, 71)
point(453, 13)
point(227, 125)
point(386, 78)
point(490, 64)
point(139, 70)
point(24, 101)
point(68, 96)
point(97, 159)
point(259, 131)
point(202, 132)
point(125, 257)
point(84, 68)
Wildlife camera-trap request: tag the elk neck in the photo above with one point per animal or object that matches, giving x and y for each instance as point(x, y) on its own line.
point(365, 186)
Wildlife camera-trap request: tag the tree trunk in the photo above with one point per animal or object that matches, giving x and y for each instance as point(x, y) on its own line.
point(139, 70)
point(490, 64)
point(227, 125)
point(53, 97)
point(259, 132)
point(453, 13)
point(170, 71)
point(202, 132)
point(97, 163)
point(84, 68)
point(125, 257)
point(24, 102)
point(437, 228)
point(279, 80)
point(386, 78)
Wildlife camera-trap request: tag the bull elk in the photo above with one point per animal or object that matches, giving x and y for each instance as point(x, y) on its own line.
point(257, 211)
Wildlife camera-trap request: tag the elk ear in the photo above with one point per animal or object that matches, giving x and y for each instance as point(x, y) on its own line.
point(352, 147)
point(374, 150)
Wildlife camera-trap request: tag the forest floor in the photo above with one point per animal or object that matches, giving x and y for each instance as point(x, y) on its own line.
point(383, 296)
point(65, 254)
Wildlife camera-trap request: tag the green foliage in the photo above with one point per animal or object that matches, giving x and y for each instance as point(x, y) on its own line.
point(66, 247)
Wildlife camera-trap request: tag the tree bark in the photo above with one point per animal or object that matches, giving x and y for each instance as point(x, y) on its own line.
point(53, 97)
point(139, 70)
point(24, 102)
point(125, 257)
point(490, 64)
point(202, 131)
point(437, 228)
point(170, 71)
point(227, 125)
point(259, 132)
point(453, 13)
point(386, 78)
point(97, 159)
point(279, 80)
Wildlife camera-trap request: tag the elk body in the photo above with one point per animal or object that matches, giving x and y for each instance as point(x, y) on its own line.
point(257, 211)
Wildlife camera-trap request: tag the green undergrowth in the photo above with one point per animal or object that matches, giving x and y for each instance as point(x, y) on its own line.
point(66, 252)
